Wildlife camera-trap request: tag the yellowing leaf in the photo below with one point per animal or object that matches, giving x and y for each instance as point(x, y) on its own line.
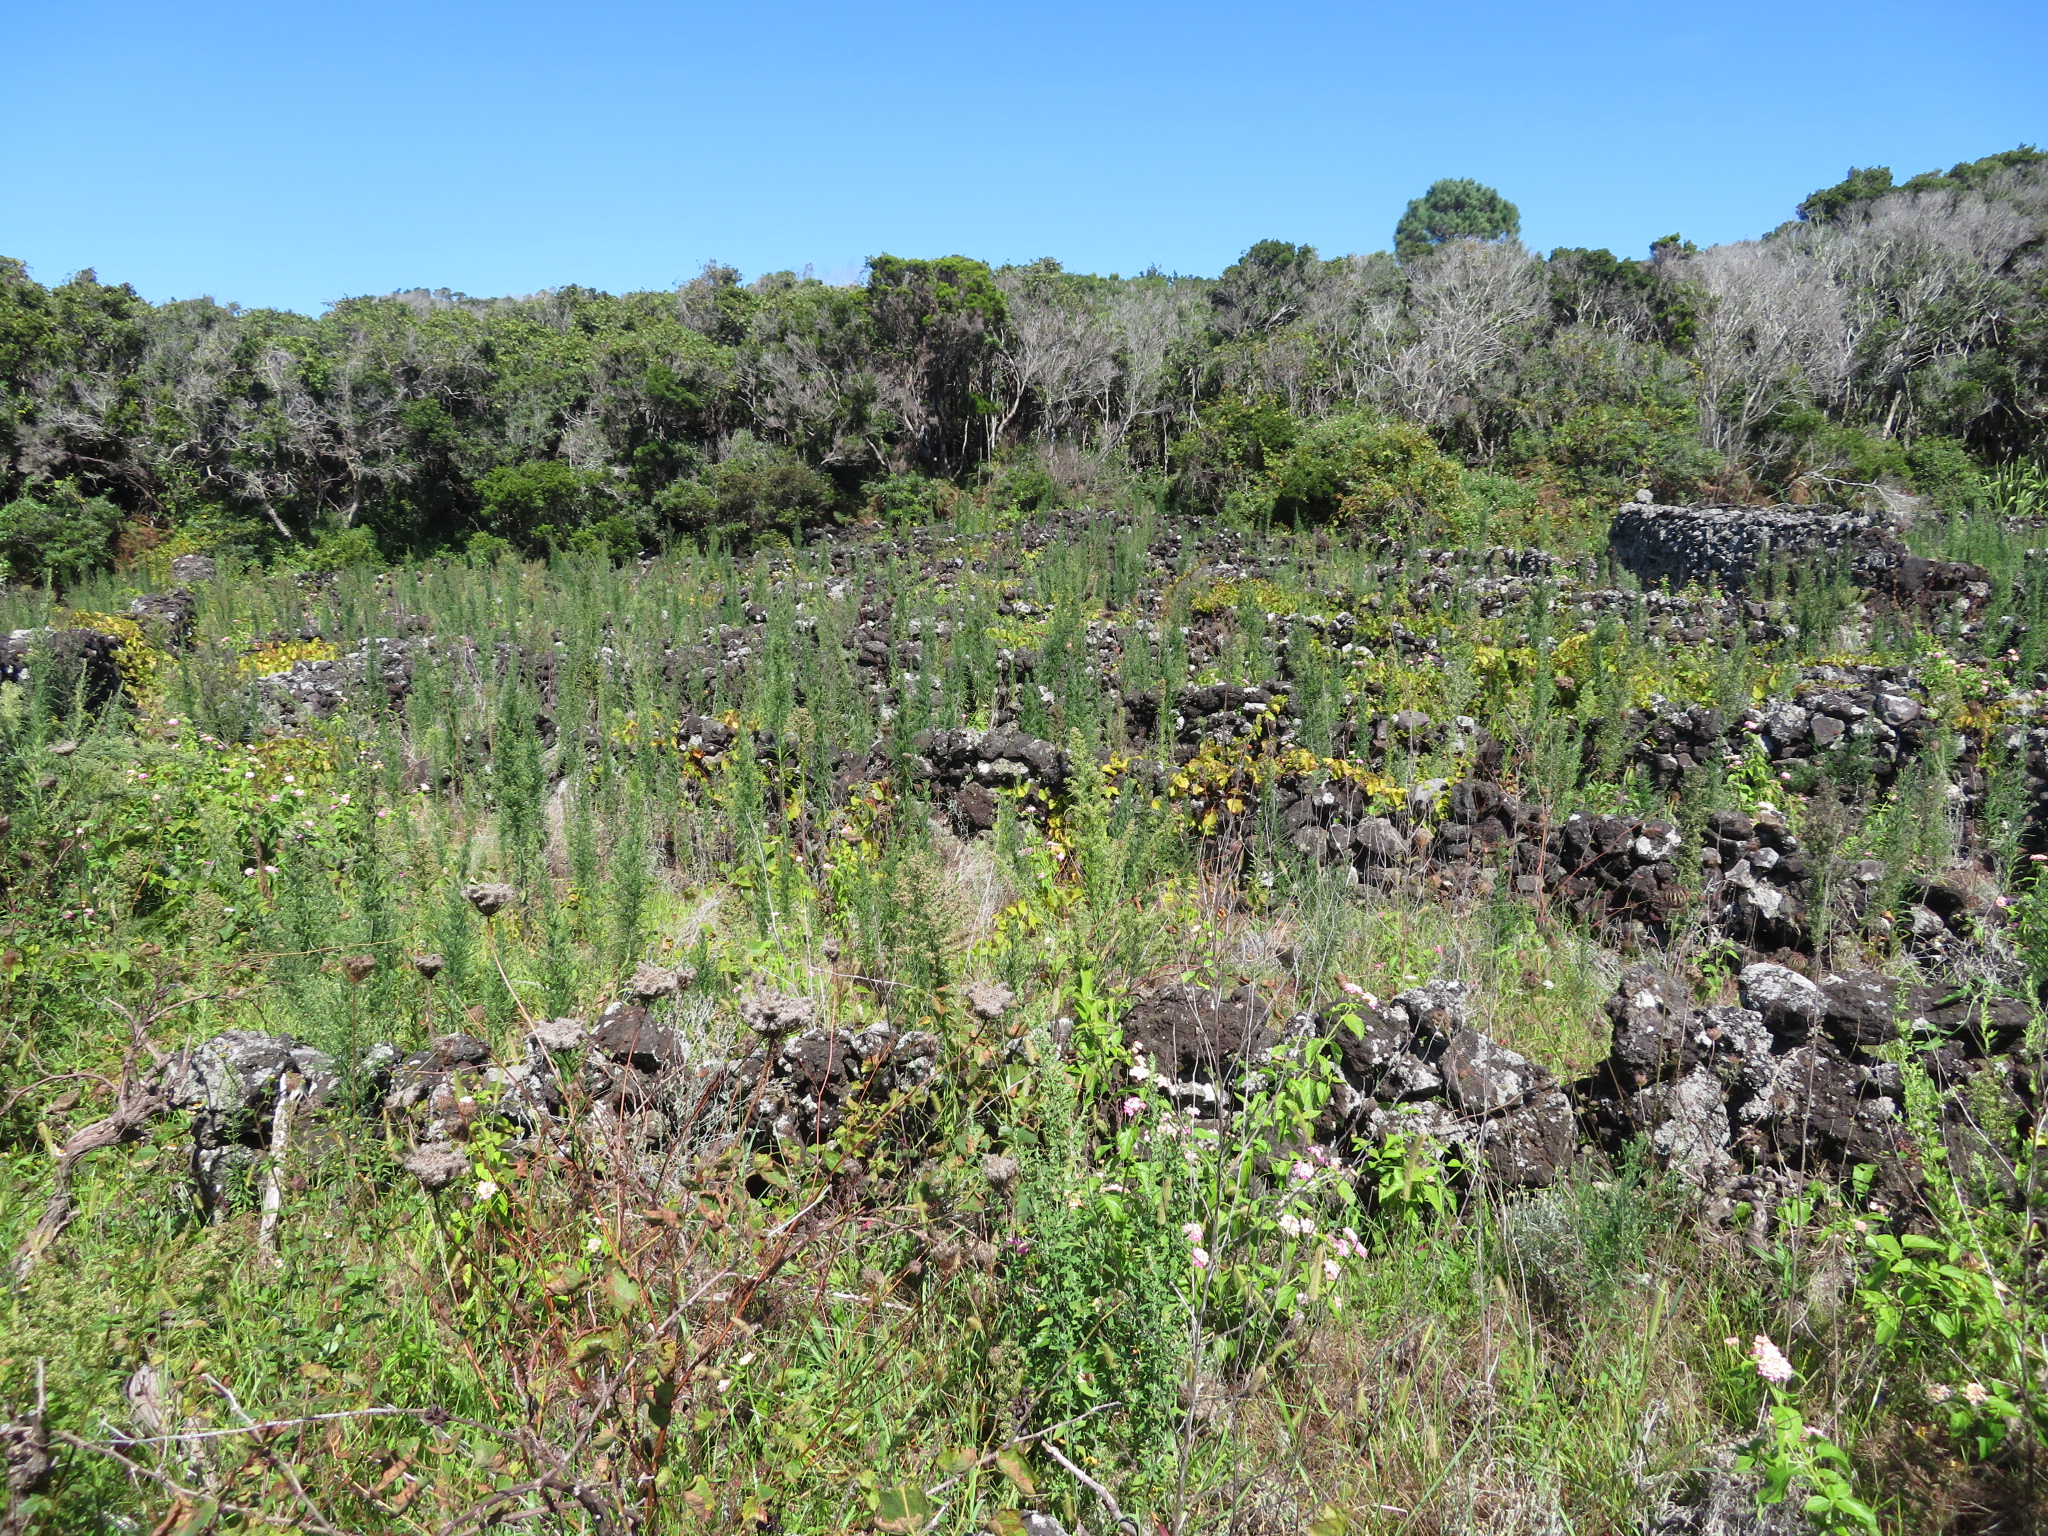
point(1011, 1465)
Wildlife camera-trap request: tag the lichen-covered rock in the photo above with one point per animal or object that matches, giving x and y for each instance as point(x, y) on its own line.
point(1528, 1145)
point(233, 1085)
point(1196, 1045)
point(1412, 1066)
point(1720, 1092)
point(1483, 1078)
point(628, 1036)
point(1792, 1007)
point(1862, 1009)
point(1724, 546)
point(809, 1082)
point(75, 663)
point(1651, 1013)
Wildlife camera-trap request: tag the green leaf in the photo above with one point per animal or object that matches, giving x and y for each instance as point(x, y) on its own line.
point(624, 1294)
point(902, 1508)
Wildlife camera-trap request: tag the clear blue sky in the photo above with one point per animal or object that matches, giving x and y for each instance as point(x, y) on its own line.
point(294, 153)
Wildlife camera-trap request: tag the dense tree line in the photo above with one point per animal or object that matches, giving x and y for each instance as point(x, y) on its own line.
point(1889, 333)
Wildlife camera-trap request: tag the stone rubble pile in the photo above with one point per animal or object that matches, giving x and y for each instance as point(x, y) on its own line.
point(80, 662)
point(966, 769)
point(1743, 1102)
point(1411, 1066)
point(319, 688)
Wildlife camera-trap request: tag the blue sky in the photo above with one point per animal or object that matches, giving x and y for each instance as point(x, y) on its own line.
point(292, 154)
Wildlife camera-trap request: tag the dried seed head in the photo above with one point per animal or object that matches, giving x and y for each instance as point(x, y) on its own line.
point(490, 900)
point(558, 1034)
point(357, 968)
point(650, 982)
point(436, 1167)
point(989, 1000)
point(429, 966)
point(774, 1014)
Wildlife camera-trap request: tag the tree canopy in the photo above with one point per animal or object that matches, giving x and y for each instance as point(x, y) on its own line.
point(1454, 209)
point(428, 420)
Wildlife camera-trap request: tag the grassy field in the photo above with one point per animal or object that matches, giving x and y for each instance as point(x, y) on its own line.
point(1019, 1278)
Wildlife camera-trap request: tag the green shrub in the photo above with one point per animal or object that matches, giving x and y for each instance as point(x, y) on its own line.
point(538, 504)
point(1611, 450)
point(1851, 453)
point(1500, 503)
point(1235, 441)
point(344, 549)
point(616, 536)
point(755, 490)
point(1943, 471)
point(1382, 475)
point(1024, 487)
point(60, 535)
point(907, 498)
point(486, 548)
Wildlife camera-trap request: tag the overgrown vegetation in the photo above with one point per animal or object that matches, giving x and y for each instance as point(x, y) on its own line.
point(1034, 1281)
point(584, 662)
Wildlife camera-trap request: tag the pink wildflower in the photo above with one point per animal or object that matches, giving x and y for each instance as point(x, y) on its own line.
point(1771, 1363)
point(1201, 1258)
point(1132, 1106)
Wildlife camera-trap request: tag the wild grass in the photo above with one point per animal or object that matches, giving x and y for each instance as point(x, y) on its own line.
point(877, 1332)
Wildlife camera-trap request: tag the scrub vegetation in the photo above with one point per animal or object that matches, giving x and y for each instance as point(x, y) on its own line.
point(791, 908)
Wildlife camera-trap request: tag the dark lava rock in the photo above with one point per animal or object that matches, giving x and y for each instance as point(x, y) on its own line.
point(75, 663)
point(1724, 546)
